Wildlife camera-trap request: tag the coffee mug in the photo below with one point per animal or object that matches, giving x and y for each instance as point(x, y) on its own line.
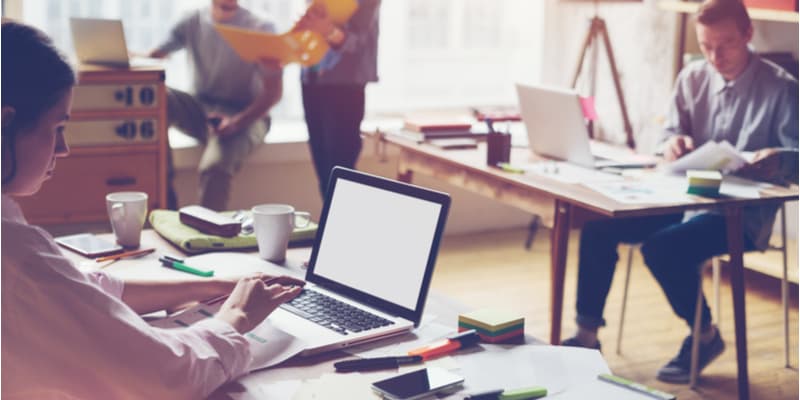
point(127, 212)
point(273, 225)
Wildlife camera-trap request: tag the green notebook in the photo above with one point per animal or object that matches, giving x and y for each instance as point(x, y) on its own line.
point(167, 223)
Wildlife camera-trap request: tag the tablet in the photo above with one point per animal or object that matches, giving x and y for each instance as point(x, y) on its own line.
point(89, 245)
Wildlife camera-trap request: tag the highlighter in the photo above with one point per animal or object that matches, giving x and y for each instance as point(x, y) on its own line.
point(447, 345)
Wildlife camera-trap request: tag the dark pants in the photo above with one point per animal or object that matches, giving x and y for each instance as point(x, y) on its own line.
point(672, 250)
point(333, 115)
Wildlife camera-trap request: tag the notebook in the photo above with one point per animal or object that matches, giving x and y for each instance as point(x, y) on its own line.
point(554, 120)
point(373, 256)
point(102, 42)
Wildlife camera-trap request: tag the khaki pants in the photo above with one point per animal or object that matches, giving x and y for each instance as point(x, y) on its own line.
point(222, 157)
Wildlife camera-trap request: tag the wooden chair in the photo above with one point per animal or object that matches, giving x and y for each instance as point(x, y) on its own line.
point(715, 268)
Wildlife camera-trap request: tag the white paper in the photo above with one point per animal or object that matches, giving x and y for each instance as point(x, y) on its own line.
point(566, 172)
point(399, 345)
point(720, 156)
point(655, 189)
point(268, 345)
point(742, 188)
point(339, 386)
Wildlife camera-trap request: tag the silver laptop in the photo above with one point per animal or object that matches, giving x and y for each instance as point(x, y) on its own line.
point(556, 128)
point(371, 264)
point(102, 42)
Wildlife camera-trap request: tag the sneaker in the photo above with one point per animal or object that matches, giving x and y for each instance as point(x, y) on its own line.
point(574, 342)
point(678, 369)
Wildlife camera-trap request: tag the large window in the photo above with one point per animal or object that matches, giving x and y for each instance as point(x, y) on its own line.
point(433, 53)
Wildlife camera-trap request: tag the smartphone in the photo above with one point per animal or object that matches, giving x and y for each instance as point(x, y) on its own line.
point(417, 384)
point(89, 245)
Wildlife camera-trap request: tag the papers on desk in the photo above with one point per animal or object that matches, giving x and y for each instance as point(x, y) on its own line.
point(720, 156)
point(566, 172)
point(268, 345)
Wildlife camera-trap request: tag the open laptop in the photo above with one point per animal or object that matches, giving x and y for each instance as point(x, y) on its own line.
point(373, 257)
point(556, 128)
point(102, 42)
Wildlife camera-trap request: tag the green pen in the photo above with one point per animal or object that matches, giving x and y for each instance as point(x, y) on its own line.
point(533, 392)
point(636, 387)
point(185, 268)
point(510, 168)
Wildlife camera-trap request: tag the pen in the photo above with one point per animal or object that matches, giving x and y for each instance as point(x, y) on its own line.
point(636, 387)
point(532, 392)
point(368, 364)
point(185, 268)
point(134, 253)
point(510, 168)
point(447, 345)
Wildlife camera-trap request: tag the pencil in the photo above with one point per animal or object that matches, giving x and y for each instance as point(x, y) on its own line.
point(134, 253)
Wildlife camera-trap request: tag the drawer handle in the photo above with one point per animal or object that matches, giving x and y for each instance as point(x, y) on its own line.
point(121, 181)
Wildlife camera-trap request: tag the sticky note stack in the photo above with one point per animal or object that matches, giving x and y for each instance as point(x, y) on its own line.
point(492, 325)
point(703, 182)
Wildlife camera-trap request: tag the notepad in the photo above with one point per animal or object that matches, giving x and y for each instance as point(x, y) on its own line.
point(493, 325)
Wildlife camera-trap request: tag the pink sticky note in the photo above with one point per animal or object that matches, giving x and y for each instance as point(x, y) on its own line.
point(587, 104)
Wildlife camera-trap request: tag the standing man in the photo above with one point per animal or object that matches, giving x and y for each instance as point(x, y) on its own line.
point(333, 90)
point(732, 95)
point(230, 100)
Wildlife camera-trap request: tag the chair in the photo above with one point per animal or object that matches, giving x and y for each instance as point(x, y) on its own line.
point(715, 267)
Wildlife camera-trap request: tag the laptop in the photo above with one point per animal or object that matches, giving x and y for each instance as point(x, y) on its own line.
point(102, 42)
point(371, 264)
point(556, 128)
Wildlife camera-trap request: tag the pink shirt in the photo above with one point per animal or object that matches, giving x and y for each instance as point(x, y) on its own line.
point(67, 334)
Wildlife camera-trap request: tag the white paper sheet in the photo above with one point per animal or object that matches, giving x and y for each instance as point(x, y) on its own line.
point(268, 345)
point(566, 172)
point(720, 156)
point(655, 189)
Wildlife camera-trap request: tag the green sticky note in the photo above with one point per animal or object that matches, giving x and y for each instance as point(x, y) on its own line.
point(533, 392)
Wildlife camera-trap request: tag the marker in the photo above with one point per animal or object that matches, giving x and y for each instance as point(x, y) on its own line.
point(636, 387)
point(185, 268)
point(532, 392)
point(448, 345)
point(487, 395)
point(510, 168)
point(368, 364)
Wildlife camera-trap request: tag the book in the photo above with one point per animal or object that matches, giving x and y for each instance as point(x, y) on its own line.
point(436, 123)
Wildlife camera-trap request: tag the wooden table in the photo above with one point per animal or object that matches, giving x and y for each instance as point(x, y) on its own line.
point(557, 202)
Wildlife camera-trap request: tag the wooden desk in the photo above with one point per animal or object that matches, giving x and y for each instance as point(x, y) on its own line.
point(556, 202)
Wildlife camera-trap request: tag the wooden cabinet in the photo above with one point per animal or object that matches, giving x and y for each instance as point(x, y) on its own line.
point(117, 134)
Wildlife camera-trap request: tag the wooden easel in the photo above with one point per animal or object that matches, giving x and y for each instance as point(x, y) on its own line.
point(598, 29)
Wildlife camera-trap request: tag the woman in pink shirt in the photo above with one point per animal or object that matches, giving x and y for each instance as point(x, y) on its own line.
point(73, 335)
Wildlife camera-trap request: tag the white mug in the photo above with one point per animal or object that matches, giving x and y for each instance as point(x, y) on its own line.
point(273, 225)
point(127, 212)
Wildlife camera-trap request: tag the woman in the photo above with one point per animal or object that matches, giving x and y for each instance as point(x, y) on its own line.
point(69, 334)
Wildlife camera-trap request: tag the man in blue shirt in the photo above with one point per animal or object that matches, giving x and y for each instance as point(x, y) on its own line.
point(732, 95)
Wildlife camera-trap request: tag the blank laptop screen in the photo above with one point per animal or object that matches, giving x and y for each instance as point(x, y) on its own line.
point(377, 241)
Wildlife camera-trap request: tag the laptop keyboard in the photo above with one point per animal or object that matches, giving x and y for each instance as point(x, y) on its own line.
point(333, 314)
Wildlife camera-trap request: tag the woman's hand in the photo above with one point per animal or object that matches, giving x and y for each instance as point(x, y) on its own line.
point(252, 300)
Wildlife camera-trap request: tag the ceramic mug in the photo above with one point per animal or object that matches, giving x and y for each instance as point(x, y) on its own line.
point(273, 225)
point(127, 212)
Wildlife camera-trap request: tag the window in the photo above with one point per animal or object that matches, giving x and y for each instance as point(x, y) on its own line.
point(433, 53)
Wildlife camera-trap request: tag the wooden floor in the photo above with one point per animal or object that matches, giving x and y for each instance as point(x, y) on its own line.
point(493, 269)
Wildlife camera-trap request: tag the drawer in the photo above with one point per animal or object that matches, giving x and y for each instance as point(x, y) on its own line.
point(112, 131)
point(115, 96)
point(78, 188)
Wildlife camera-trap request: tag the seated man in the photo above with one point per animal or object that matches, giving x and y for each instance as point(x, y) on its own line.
point(732, 95)
point(230, 97)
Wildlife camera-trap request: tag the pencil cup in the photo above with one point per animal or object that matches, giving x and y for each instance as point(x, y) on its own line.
point(498, 148)
point(273, 225)
point(127, 212)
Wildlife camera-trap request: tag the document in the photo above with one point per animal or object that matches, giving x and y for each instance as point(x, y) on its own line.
point(720, 156)
point(304, 47)
point(268, 345)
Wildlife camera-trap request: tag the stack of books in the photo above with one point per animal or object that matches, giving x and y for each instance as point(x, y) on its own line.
point(423, 128)
point(493, 326)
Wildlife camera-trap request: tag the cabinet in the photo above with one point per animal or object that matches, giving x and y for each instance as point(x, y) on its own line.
point(117, 135)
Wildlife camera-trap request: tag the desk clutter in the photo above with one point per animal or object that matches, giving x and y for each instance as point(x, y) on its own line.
point(192, 241)
point(493, 326)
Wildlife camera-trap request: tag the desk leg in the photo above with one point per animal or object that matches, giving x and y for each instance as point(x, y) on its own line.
point(735, 248)
point(559, 240)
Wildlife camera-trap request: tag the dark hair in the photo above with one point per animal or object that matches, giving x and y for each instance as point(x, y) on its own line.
point(35, 76)
point(714, 11)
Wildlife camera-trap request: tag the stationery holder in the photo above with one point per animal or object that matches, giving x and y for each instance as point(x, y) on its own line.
point(498, 148)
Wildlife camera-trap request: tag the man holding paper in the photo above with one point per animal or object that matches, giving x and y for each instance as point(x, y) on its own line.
point(732, 95)
point(230, 100)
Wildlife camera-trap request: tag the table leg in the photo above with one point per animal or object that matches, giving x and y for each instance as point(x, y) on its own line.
point(735, 248)
point(558, 260)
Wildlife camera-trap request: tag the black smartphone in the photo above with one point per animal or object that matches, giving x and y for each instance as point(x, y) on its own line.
point(89, 245)
point(417, 384)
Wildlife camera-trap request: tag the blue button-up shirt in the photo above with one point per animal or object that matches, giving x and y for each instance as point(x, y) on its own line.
point(756, 110)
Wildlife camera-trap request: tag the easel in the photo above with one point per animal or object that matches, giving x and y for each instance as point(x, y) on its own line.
point(598, 29)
